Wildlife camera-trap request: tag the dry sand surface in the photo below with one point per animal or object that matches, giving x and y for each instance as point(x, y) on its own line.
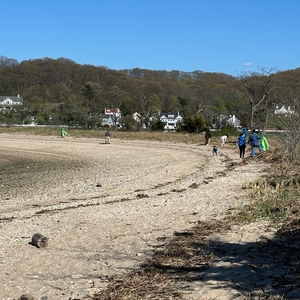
point(103, 206)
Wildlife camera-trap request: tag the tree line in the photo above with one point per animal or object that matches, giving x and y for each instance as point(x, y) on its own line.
point(60, 91)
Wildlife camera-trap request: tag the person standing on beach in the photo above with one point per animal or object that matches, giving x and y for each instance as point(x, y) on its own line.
point(107, 137)
point(242, 145)
point(207, 137)
point(253, 141)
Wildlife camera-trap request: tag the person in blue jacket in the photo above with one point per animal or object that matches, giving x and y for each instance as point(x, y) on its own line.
point(254, 142)
point(242, 144)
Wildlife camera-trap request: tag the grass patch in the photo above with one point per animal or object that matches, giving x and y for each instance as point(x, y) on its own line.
point(279, 207)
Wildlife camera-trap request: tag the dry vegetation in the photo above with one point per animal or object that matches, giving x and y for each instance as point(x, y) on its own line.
point(115, 134)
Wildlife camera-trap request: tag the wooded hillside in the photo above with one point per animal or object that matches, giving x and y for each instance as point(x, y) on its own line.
point(60, 91)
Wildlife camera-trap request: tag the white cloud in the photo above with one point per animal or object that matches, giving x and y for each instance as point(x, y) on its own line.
point(248, 64)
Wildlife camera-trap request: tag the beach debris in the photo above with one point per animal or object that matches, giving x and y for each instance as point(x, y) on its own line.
point(39, 240)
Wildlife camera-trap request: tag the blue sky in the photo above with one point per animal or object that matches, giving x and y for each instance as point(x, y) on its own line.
point(227, 36)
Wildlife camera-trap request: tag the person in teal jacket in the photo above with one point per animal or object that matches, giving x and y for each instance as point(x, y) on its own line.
point(245, 131)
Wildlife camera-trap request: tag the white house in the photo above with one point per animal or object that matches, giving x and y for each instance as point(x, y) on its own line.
point(7, 103)
point(233, 121)
point(222, 120)
point(111, 117)
point(137, 117)
point(171, 119)
point(283, 110)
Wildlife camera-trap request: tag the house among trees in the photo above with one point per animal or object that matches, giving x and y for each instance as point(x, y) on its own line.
point(111, 117)
point(7, 103)
point(223, 120)
point(137, 117)
point(233, 121)
point(171, 119)
point(283, 110)
point(140, 120)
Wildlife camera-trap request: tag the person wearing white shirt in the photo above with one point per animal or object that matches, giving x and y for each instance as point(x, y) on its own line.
point(224, 139)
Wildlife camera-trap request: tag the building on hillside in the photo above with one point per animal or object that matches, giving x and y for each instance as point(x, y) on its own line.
point(233, 121)
point(8, 103)
point(137, 117)
point(223, 120)
point(142, 121)
point(111, 117)
point(283, 110)
point(171, 120)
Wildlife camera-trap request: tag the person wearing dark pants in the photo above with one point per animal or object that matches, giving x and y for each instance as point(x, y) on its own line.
point(242, 145)
point(207, 137)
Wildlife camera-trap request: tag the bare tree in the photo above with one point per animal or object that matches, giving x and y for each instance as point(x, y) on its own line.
point(288, 119)
point(257, 89)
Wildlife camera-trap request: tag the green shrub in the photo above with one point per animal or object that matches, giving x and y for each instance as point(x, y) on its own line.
point(194, 124)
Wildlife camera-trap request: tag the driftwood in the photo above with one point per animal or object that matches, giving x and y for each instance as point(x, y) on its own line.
point(26, 297)
point(39, 240)
point(160, 245)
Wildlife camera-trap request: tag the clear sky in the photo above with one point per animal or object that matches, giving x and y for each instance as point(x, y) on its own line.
point(227, 36)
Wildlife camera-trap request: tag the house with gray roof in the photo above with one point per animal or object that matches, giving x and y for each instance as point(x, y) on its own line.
point(7, 103)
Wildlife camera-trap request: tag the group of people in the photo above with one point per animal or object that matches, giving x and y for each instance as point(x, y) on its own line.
point(254, 140)
point(215, 148)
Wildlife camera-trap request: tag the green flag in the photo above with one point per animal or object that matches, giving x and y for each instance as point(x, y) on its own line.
point(63, 133)
point(264, 144)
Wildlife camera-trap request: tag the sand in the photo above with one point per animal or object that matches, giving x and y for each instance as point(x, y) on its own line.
point(103, 206)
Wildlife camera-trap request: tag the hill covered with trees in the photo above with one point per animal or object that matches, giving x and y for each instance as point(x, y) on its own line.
point(60, 91)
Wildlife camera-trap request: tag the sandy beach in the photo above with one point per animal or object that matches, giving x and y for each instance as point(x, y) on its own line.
point(102, 206)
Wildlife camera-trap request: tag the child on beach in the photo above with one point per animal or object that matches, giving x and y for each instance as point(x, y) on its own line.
point(215, 151)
